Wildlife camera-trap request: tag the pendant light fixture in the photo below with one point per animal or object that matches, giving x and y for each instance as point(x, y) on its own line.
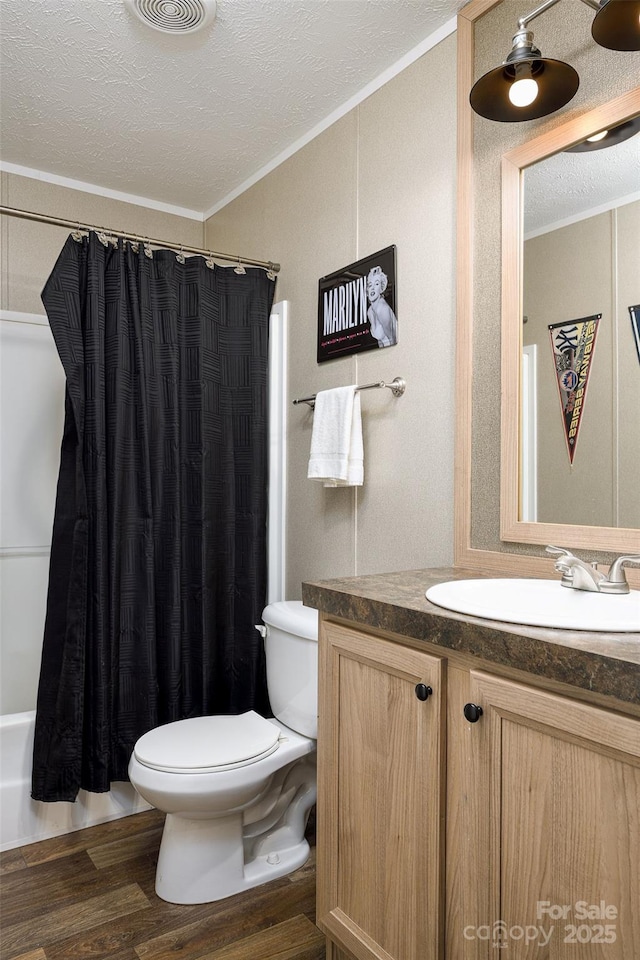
point(608, 138)
point(617, 25)
point(527, 85)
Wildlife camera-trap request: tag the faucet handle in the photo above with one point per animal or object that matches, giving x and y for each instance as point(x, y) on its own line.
point(616, 570)
point(558, 551)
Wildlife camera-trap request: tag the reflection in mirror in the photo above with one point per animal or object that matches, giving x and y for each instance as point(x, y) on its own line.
point(580, 388)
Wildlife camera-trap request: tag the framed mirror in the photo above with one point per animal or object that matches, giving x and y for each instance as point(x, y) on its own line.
point(570, 427)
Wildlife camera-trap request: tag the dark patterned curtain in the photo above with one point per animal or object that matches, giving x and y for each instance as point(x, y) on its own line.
point(158, 557)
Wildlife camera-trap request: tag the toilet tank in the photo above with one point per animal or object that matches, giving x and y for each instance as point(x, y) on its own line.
point(291, 651)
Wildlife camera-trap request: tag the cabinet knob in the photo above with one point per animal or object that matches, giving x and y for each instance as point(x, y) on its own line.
point(423, 692)
point(472, 712)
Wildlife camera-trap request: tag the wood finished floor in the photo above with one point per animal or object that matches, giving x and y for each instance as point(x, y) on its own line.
point(90, 895)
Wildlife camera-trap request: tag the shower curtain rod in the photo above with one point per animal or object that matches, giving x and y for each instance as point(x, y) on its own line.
point(178, 247)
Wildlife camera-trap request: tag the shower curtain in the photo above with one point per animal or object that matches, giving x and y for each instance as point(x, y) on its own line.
point(158, 556)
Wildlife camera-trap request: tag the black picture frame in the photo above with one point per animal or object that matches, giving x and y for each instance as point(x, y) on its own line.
point(348, 319)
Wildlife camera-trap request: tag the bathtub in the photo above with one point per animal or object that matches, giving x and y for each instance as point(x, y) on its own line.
point(23, 820)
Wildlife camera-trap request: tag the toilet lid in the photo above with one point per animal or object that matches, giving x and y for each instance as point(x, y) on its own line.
point(202, 744)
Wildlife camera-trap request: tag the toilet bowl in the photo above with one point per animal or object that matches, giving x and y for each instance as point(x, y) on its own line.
point(237, 790)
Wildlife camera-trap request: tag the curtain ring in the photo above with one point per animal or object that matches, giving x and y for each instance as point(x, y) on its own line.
point(77, 234)
point(240, 270)
point(180, 257)
point(148, 252)
point(210, 262)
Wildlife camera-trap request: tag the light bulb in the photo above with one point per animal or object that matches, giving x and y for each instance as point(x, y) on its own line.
point(523, 92)
point(597, 136)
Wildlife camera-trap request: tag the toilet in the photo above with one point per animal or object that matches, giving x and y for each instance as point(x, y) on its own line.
point(237, 790)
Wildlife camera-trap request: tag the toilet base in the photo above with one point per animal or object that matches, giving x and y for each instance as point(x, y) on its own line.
point(227, 831)
point(190, 872)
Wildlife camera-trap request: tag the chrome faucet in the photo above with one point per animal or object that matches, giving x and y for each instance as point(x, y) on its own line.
point(575, 572)
point(580, 575)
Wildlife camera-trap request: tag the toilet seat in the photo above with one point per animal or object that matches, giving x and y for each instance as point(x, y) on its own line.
point(208, 744)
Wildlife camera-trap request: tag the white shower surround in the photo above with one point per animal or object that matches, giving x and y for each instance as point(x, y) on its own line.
point(278, 399)
point(23, 820)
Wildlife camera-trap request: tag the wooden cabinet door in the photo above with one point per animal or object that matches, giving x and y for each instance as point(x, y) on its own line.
point(556, 816)
point(380, 803)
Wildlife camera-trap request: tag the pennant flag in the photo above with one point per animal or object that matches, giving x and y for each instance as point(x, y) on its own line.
point(573, 344)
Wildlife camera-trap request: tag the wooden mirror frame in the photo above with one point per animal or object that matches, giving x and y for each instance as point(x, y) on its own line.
point(501, 563)
point(622, 539)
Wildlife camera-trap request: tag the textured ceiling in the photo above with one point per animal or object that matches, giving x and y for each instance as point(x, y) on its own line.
point(90, 93)
point(569, 185)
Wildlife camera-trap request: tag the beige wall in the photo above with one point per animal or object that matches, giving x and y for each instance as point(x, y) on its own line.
point(29, 249)
point(33, 407)
point(383, 174)
point(569, 273)
point(564, 33)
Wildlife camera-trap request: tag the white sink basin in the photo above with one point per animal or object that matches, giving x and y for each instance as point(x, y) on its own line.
point(539, 603)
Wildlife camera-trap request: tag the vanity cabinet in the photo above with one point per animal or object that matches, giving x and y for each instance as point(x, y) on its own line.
point(553, 823)
point(444, 838)
point(381, 796)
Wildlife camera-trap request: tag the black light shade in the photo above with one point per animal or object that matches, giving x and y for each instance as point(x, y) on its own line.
point(624, 131)
point(557, 83)
point(617, 25)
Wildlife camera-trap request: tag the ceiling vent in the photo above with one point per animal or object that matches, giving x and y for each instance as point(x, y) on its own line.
point(174, 16)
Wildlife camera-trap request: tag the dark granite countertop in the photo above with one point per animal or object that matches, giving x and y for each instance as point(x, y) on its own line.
point(604, 663)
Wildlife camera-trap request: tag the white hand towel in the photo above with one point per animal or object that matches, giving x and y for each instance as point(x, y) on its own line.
point(337, 455)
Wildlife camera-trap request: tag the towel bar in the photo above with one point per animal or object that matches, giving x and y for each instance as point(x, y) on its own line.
point(397, 386)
